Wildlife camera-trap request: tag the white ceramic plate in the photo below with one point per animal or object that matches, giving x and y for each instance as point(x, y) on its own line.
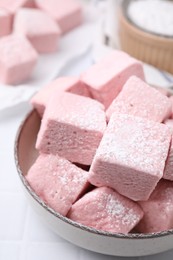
point(85, 237)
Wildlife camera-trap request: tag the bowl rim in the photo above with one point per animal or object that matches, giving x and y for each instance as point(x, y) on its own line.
point(131, 236)
point(139, 29)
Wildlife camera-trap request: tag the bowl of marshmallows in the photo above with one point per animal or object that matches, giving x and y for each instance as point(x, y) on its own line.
point(95, 159)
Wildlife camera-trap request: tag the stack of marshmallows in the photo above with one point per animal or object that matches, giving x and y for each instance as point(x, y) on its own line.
point(31, 27)
point(112, 121)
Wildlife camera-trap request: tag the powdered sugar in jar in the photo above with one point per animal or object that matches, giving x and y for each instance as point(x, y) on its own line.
point(155, 16)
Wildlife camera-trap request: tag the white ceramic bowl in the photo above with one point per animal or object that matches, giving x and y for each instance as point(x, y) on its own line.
point(85, 237)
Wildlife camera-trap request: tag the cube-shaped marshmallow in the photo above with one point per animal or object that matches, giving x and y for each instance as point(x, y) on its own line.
point(105, 209)
point(13, 5)
point(139, 99)
point(39, 28)
point(30, 4)
point(164, 91)
point(5, 22)
point(67, 13)
point(57, 182)
point(158, 210)
point(17, 59)
point(168, 172)
point(131, 156)
point(171, 99)
point(169, 122)
point(106, 78)
point(72, 126)
point(62, 84)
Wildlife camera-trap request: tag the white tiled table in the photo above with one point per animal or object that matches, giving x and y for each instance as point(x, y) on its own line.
point(22, 235)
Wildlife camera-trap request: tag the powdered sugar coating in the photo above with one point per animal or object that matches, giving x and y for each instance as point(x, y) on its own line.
point(169, 122)
point(158, 210)
point(134, 140)
point(139, 99)
point(58, 182)
point(163, 91)
point(3, 12)
point(105, 209)
point(79, 111)
point(131, 156)
point(82, 112)
point(40, 29)
point(171, 99)
point(168, 172)
point(35, 22)
point(10, 49)
point(72, 126)
point(61, 84)
point(5, 22)
point(68, 14)
point(12, 5)
point(106, 78)
point(17, 59)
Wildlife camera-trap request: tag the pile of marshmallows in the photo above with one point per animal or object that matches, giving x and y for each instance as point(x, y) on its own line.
point(111, 120)
point(29, 27)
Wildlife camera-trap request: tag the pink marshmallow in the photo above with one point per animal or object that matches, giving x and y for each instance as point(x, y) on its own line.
point(105, 209)
point(169, 122)
point(67, 13)
point(168, 172)
point(39, 28)
point(13, 5)
point(171, 99)
point(72, 127)
point(162, 90)
point(106, 78)
point(139, 99)
point(30, 4)
point(57, 182)
point(131, 156)
point(5, 22)
point(63, 84)
point(158, 210)
point(17, 59)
